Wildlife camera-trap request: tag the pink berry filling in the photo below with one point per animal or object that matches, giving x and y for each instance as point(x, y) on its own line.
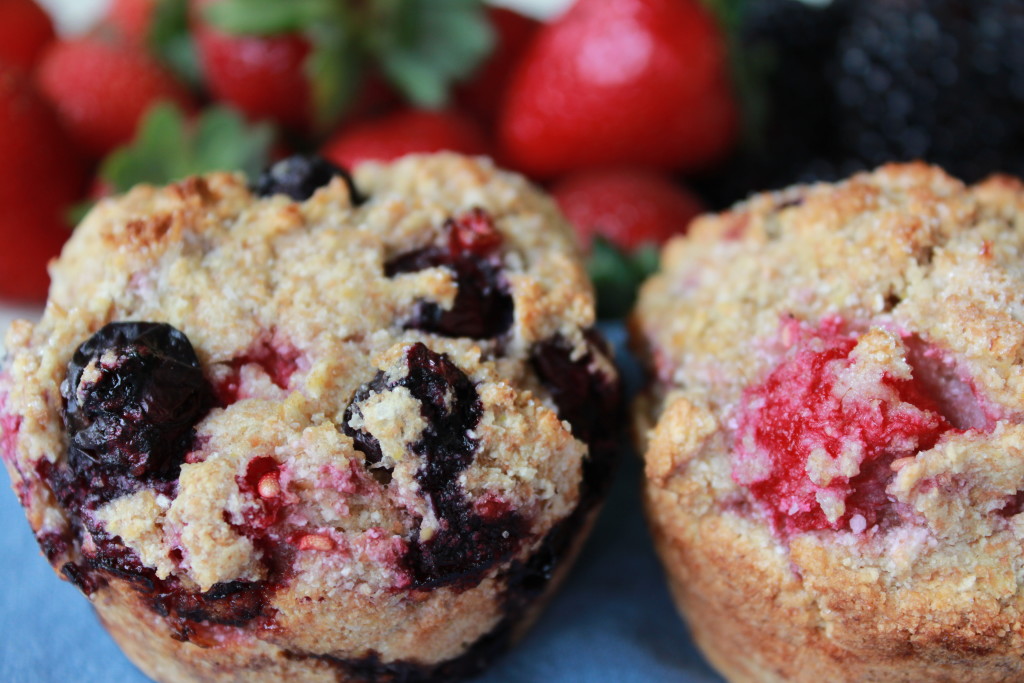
point(279, 362)
point(280, 530)
point(815, 453)
point(9, 426)
point(262, 481)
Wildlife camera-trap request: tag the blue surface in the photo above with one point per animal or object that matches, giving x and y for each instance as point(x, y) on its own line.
point(612, 621)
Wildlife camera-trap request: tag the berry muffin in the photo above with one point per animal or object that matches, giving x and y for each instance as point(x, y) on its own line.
point(834, 448)
point(319, 428)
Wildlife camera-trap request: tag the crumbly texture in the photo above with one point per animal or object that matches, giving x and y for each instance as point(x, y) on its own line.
point(833, 439)
point(305, 336)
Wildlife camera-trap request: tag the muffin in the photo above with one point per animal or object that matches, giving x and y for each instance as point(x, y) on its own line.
point(834, 454)
point(323, 427)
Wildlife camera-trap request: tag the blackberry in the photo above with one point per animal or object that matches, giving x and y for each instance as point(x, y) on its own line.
point(939, 80)
point(790, 41)
point(858, 83)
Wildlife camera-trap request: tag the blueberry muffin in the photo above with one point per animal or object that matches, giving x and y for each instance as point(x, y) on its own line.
point(323, 427)
point(833, 439)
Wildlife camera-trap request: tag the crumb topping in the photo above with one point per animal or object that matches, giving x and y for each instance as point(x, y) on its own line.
point(840, 368)
point(314, 348)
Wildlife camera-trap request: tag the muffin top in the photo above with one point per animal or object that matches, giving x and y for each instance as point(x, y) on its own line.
point(379, 386)
point(839, 374)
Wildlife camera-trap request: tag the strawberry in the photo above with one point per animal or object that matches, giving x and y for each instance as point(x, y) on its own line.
point(621, 82)
point(375, 97)
point(266, 77)
point(101, 89)
point(622, 215)
point(41, 176)
point(25, 31)
point(304, 64)
point(133, 19)
point(405, 132)
point(263, 76)
point(628, 207)
point(483, 94)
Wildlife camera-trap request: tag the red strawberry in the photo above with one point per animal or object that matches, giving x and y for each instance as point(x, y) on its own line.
point(405, 132)
point(41, 176)
point(375, 97)
point(102, 89)
point(621, 82)
point(132, 19)
point(25, 30)
point(483, 94)
point(263, 76)
point(629, 207)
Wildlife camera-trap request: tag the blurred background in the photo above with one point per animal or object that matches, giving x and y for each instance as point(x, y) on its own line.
point(73, 16)
point(636, 114)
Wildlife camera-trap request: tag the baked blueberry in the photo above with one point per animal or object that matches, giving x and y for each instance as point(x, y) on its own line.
point(132, 395)
point(483, 307)
point(299, 176)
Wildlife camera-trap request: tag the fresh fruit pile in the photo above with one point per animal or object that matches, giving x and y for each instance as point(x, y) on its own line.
point(635, 113)
point(604, 103)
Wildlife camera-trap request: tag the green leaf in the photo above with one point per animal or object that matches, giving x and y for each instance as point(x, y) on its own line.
point(645, 261)
point(168, 147)
point(171, 41)
point(157, 155)
point(334, 68)
point(268, 17)
point(223, 141)
point(77, 211)
point(617, 275)
point(729, 12)
point(423, 46)
point(423, 85)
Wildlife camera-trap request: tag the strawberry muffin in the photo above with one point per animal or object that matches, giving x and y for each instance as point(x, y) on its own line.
point(833, 439)
point(319, 427)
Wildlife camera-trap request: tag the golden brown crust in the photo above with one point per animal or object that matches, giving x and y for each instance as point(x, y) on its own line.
point(905, 255)
point(246, 660)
